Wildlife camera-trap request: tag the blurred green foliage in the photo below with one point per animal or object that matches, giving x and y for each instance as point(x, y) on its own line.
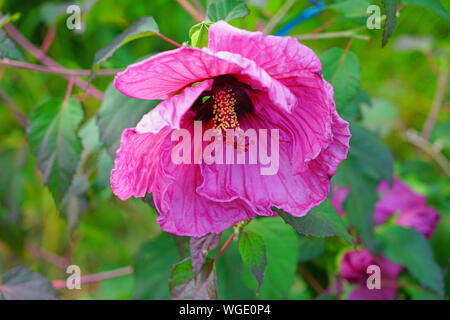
point(400, 79)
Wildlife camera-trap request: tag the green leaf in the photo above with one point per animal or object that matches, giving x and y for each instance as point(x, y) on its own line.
point(8, 48)
point(144, 27)
point(321, 221)
point(253, 253)
point(152, 268)
point(368, 162)
point(434, 5)
point(390, 10)
point(360, 201)
point(23, 284)
point(229, 269)
point(118, 112)
point(351, 8)
point(343, 71)
point(226, 10)
point(199, 248)
point(409, 248)
point(282, 257)
point(183, 284)
point(310, 248)
point(199, 34)
point(12, 184)
point(372, 156)
point(351, 111)
point(55, 143)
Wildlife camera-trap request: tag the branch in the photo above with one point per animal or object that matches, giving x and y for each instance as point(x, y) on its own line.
point(55, 69)
point(278, 17)
point(15, 110)
point(41, 56)
point(333, 35)
point(48, 40)
point(311, 280)
point(436, 106)
point(428, 148)
point(96, 277)
point(191, 10)
point(55, 260)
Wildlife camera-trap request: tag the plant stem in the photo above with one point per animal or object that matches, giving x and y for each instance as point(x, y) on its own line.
point(429, 149)
point(41, 56)
point(191, 10)
point(224, 247)
point(57, 261)
point(56, 70)
point(96, 277)
point(333, 35)
point(176, 44)
point(311, 280)
point(15, 110)
point(48, 40)
point(436, 106)
point(278, 17)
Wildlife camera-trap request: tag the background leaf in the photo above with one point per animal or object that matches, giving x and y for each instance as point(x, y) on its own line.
point(321, 221)
point(390, 10)
point(144, 27)
point(433, 5)
point(409, 248)
point(23, 284)
point(152, 268)
point(55, 143)
point(310, 248)
point(282, 256)
point(200, 246)
point(343, 71)
point(183, 285)
point(117, 113)
point(253, 254)
point(226, 10)
point(8, 48)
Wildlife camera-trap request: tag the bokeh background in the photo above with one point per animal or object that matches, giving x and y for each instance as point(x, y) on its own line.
point(98, 232)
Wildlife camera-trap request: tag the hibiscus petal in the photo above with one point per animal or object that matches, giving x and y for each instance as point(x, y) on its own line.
point(183, 211)
point(136, 164)
point(171, 111)
point(281, 57)
point(165, 74)
point(296, 194)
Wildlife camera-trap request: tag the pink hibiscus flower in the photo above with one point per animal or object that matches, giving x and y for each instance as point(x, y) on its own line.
point(410, 207)
point(353, 268)
point(243, 80)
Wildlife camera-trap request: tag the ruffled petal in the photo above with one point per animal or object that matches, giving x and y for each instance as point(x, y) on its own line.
point(171, 111)
point(296, 194)
point(165, 74)
point(137, 162)
point(281, 57)
point(183, 211)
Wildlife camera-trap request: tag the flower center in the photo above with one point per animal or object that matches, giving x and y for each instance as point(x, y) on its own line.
point(225, 116)
point(224, 105)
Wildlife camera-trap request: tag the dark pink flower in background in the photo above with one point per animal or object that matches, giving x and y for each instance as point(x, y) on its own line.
point(353, 268)
point(338, 197)
point(411, 211)
point(242, 80)
point(410, 207)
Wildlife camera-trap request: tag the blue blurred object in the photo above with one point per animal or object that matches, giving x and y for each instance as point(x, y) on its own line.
point(304, 15)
